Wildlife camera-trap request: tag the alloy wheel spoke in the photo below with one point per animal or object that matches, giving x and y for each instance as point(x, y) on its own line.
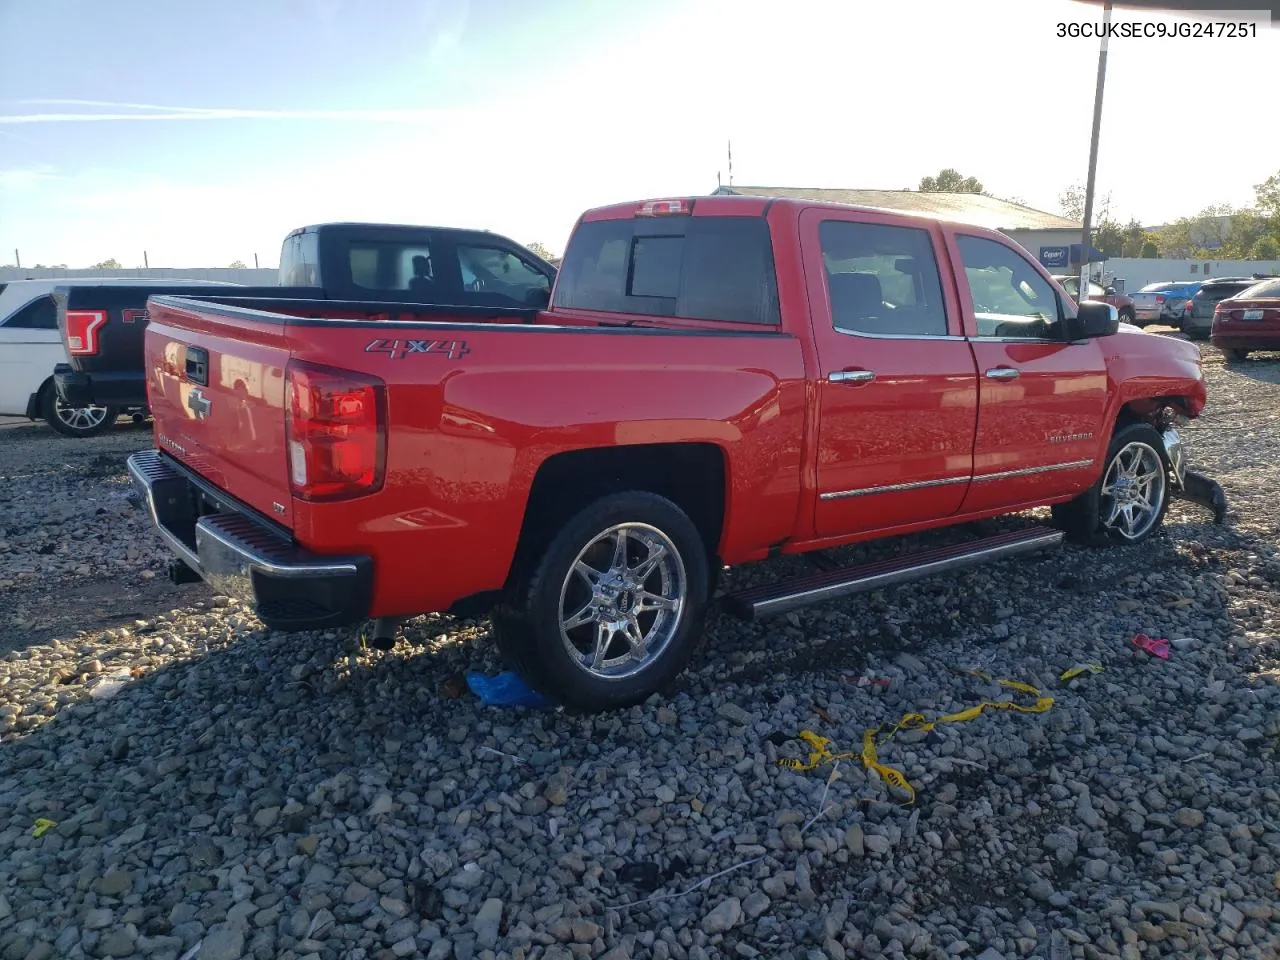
point(620, 551)
point(1113, 514)
point(635, 638)
point(647, 602)
point(1129, 520)
point(657, 552)
point(587, 572)
point(585, 615)
point(604, 636)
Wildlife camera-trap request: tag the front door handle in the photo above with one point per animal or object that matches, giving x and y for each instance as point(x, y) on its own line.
point(851, 376)
point(1003, 373)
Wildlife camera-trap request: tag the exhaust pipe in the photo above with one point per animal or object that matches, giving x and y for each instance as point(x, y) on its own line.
point(383, 635)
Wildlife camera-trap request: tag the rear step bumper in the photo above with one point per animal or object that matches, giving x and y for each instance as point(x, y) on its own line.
point(771, 599)
point(118, 388)
point(289, 587)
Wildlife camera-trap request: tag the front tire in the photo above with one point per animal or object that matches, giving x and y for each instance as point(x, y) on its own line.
point(1128, 316)
point(611, 611)
point(1127, 504)
point(75, 421)
point(1235, 355)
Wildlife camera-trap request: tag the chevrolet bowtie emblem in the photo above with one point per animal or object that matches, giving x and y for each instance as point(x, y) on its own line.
point(198, 404)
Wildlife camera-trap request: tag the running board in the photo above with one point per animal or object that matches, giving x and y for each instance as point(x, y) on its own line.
point(756, 603)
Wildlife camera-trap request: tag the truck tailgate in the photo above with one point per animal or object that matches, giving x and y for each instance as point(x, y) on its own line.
point(217, 392)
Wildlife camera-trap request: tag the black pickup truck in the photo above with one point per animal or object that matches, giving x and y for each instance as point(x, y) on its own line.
point(367, 262)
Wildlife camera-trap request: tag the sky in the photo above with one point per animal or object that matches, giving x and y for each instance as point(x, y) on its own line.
point(203, 133)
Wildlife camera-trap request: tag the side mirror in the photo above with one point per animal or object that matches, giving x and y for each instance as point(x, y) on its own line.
point(1093, 319)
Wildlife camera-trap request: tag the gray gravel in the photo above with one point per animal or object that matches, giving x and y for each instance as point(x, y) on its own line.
point(284, 796)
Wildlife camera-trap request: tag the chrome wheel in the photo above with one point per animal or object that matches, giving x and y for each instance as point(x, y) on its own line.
point(1133, 491)
point(622, 601)
point(79, 418)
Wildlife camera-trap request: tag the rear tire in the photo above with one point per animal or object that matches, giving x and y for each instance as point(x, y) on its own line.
point(1235, 355)
point(75, 421)
point(597, 627)
point(1112, 511)
point(1128, 316)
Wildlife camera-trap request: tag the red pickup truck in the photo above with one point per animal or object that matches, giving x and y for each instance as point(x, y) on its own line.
point(715, 381)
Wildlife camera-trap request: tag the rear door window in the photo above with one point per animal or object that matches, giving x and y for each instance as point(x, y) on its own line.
point(882, 279)
point(695, 268)
point(39, 314)
point(388, 266)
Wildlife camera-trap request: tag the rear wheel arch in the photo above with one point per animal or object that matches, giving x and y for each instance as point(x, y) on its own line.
point(693, 475)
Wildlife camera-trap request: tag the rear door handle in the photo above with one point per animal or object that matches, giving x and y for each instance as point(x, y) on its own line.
point(851, 376)
point(1003, 373)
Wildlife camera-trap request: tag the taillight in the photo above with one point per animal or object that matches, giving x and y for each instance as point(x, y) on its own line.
point(336, 431)
point(82, 331)
point(1159, 298)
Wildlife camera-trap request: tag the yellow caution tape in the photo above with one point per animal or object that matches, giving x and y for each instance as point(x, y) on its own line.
point(42, 826)
point(821, 751)
point(1080, 669)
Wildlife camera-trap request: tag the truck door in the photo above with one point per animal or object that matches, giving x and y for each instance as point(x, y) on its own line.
point(1041, 400)
point(897, 390)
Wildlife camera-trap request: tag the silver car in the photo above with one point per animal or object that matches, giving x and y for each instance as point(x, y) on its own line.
point(1163, 302)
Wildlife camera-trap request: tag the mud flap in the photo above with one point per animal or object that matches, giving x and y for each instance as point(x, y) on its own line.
point(1197, 488)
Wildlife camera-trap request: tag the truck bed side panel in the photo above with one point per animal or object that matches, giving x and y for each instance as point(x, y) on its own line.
point(474, 412)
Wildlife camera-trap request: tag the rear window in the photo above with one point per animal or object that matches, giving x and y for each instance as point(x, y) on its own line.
point(1221, 291)
point(694, 268)
point(1158, 287)
point(1265, 290)
point(300, 261)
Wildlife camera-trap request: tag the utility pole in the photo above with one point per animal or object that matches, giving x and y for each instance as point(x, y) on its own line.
point(17, 260)
point(255, 261)
point(145, 262)
point(1085, 239)
point(731, 163)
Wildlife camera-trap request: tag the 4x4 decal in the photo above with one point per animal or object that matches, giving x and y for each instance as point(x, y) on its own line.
point(398, 349)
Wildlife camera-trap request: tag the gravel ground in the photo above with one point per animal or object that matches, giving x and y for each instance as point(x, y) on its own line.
point(284, 796)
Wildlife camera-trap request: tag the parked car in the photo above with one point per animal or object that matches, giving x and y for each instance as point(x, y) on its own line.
point(1163, 302)
point(1198, 320)
point(31, 347)
point(1098, 292)
point(331, 261)
point(716, 381)
point(1248, 321)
